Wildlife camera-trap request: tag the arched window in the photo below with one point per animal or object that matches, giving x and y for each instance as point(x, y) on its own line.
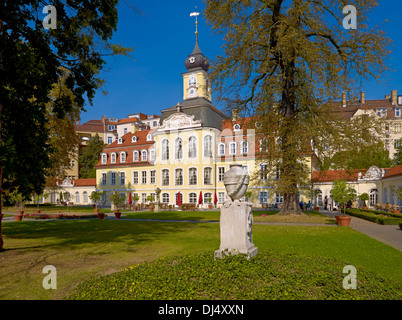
point(113, 158)
point(165, 177)
point(208, 146)
point(165, 197)
point(104, 158)
point(144, 155)
point(136, 155)
point(178, 149)
point(208, 175)
point(244, 147)
point(317, 198)
point(122, 157)
point(207, 197)
point(373, 197)
point(192, 176)
point(179, 177)
point(85, 196)
point(77, 197)
point(192, 197)
point(192, 147)
point(165, 149)
point(221, 149)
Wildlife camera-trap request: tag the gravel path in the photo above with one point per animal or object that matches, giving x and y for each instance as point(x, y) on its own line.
point(388, 234)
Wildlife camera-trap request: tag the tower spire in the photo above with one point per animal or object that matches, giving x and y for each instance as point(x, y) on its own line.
point(196, 47)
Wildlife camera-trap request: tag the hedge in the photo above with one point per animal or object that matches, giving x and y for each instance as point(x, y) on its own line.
point(374, 217)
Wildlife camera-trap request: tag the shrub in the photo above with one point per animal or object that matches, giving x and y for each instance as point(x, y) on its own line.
point(381, 218)
point(269, 275)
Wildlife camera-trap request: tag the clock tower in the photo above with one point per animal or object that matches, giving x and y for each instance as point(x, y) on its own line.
point(196, 79)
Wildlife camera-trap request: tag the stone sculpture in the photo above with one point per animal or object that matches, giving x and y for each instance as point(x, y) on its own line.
point(236, 216)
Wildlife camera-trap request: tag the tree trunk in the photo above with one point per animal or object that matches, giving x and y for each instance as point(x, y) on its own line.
point(1, 190)
point(291, 205)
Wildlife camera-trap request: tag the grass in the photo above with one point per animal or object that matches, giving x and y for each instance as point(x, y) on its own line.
point(81, 249)
point(258, 216)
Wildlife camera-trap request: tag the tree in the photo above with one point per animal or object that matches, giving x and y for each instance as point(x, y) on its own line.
point(90, 157)
point(283, 61)
point(342, 193)
point(31, 61)
point(398, 156)
point(63, 139)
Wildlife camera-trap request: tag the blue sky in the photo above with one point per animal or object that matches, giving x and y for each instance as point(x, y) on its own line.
point(162, 39)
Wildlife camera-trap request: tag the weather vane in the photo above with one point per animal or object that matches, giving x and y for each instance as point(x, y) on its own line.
point(195, 14)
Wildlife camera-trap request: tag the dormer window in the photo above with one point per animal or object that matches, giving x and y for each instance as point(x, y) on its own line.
point(134, 139)
point(113, 158)
point(104, 158)
point(398, 112)
point(149, 137)
point(144, 155)
point(381, 112)
point(122, 157)
point(120, 141)
point(236, 127)
point(136, 156)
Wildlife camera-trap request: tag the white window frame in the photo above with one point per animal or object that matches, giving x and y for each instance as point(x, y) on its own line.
point(205, 177)
point(103, 178)
point(221, 174)
point(152, 176)
point(165, 197)
point(136, 156)
point(190, 179)
point(104, 158)
point(263, 196)
point(113, 157)
point(165, 177)
point(221, 152)
point(144, 177)
point(232, 150)
point(178, 148)
point(123, 157)
point(136, 177)
point(207, 146)
point(122, 178)
point(112, 178)
point(144, 155)
point(179, 182)
point(165, 149)
point(192, 147)
point(221, 197)
point(192, 196)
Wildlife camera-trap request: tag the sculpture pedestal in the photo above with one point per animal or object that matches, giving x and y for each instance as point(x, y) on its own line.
point(236, 230)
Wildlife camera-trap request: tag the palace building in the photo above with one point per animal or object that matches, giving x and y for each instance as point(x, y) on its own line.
point(188, 152)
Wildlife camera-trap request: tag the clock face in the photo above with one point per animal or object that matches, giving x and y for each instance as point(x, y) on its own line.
point(192, 59)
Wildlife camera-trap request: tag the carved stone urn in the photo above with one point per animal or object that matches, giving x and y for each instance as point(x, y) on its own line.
point(236, 181)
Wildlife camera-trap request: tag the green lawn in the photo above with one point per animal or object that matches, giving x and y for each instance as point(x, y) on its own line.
point(80, 249)
point(258, 216)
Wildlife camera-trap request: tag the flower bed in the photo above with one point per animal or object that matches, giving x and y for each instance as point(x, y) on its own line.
point(58, 216)
point(380, 218)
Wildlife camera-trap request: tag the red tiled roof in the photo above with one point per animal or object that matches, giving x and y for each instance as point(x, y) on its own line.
point(393, 172)
point(332, 175)
point(84, 182)
point(128, 147)
point(128, 120)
